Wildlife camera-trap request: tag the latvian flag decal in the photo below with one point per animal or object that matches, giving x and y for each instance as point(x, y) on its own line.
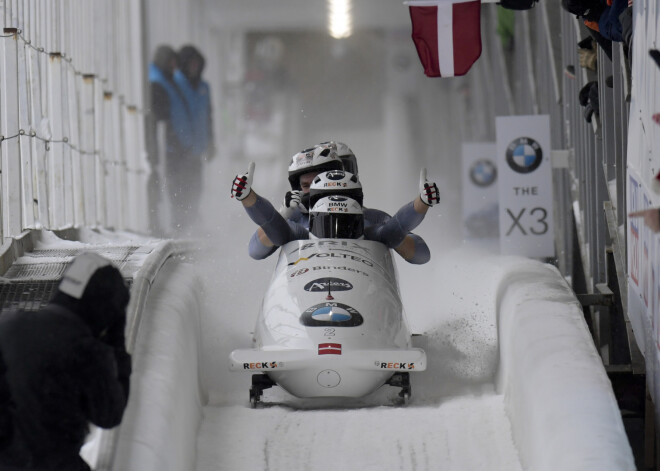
point(447, 35)
point(329, 349)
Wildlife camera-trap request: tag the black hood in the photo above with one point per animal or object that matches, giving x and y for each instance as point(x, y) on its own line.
point(163, 58)
point(103, 302)
point(186, 55)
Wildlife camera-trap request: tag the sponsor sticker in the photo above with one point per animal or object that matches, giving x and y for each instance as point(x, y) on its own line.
point(325, 284)
point(343, 256)
point(396, 366)
point(332, 244)
point(266, 365)
point(331, 314)
point(329, 349)
point(353, 270)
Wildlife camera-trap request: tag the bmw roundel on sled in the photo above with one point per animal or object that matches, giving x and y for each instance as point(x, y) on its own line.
point(331, 324)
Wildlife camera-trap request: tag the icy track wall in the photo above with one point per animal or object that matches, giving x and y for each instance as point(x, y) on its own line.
point(160, 425)
point(557, 394)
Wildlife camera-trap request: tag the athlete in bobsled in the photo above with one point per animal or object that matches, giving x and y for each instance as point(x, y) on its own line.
point(274, 231)
point(331, 323)
point(307, 177)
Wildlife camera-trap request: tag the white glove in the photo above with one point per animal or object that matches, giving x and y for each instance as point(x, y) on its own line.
point(291, 203)
point(242, 184)
point(428, 191)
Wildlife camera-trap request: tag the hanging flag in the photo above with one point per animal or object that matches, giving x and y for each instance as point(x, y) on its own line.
point(447, 35)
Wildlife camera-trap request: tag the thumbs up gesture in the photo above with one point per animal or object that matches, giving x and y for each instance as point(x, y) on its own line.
point(428, 191)
point(242, 184)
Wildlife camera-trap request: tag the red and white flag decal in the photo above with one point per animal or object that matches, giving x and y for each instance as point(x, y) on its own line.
point(329, 349)
point(447, 35)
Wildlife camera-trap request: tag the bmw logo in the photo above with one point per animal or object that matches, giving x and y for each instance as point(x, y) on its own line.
point(524, 155)
point(331, 314)
point(483, 173)
point(335, 175)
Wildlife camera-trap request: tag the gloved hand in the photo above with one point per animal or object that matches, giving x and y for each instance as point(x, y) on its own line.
point(588, 58)
point(292, 200)
point(242, 184)
point(428, 191)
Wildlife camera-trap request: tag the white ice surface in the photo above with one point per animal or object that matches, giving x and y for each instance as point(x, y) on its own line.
point(458, 419)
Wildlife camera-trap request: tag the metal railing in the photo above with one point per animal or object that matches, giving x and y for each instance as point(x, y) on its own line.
point(71, 117)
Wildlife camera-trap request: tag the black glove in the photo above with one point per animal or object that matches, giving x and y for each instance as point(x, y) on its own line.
point(593, 98)
point(588, 113)
point(583, 96)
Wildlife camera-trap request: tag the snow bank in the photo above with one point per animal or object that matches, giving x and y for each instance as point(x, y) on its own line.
point(558, 397)
point(160, 425)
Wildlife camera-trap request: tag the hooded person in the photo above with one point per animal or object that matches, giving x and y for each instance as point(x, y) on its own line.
point(167, 106)
point(63, 367)
point(194, 132)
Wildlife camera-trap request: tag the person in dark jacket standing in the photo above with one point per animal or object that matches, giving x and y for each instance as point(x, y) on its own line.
point(166, 106)
point(195, 136)
point(63, 367)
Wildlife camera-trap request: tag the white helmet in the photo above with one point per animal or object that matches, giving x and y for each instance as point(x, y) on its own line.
point(314, 159)
point(336, 217)
point(344, 153)
point(335, 182)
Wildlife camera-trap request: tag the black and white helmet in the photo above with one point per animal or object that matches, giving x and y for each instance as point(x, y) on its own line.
point(336, 217)
point(335, 182)
point(345, 154)
point(315, 159)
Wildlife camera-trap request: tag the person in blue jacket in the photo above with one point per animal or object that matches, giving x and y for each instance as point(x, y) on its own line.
point(192, 142)
point(394, 232)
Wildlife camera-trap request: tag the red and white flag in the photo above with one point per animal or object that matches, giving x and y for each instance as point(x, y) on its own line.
point(329, 349)
point(447, 35)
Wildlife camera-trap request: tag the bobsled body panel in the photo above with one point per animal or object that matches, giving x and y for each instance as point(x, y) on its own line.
point(332, 322)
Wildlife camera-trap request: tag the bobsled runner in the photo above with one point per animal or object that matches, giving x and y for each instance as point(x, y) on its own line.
point(331, 324)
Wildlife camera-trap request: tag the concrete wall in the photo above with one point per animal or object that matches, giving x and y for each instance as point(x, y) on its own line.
point(558, 397)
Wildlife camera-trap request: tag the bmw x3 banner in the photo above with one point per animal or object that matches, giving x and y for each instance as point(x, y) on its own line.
point(525, 186)
point(447, 35)
point(480, 197)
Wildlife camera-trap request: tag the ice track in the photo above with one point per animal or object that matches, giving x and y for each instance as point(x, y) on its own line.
point(470, 411)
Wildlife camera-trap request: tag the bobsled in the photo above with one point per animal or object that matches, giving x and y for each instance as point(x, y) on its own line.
point(331, 324)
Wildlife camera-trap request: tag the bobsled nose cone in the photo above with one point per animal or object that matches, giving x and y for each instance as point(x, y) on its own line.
point(328, 378)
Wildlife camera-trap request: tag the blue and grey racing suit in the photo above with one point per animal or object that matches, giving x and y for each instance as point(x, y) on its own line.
point(379, 226)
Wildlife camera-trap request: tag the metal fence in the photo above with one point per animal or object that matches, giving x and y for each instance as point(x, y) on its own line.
point(71, 115)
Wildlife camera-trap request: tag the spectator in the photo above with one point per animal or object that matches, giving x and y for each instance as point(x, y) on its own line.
point(590, 12)
point(167, 106)
point(588, 97)
point(63, 367)
point(195, 137)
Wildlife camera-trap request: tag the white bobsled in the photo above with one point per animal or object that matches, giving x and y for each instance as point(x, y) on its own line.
point(331, 324)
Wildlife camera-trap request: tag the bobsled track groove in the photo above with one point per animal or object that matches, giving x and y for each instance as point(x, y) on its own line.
point(514, 383)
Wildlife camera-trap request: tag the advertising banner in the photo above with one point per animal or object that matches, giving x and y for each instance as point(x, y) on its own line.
point(480, 196)
point(525, 186)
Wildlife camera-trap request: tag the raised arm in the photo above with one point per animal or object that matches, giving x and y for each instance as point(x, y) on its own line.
point(395, 232)
point(273, 229)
